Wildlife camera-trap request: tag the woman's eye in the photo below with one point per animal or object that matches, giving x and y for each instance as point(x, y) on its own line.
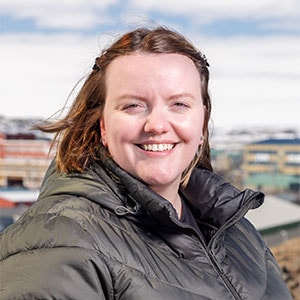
point(181, 105)
point(132, 107)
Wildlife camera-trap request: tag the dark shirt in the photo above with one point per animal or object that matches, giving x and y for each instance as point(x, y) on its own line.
point(188, 218)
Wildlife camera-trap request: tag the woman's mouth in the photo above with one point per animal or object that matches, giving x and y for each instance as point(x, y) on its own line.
point(156, 147)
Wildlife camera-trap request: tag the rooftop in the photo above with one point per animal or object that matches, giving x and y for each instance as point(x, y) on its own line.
point(295, 141)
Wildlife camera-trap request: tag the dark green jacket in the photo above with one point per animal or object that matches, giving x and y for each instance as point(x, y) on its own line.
point(104, 235)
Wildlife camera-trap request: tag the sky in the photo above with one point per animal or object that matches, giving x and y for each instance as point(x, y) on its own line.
point(253, 48)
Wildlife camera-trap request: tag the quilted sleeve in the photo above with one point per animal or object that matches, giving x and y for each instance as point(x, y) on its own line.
point(55, 273)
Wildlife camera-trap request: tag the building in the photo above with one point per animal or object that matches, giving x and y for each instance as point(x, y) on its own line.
point(272, 165)
point(277, 220)
point(23, 160)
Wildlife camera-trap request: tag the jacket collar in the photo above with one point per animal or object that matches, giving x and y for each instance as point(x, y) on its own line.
point(213, 200)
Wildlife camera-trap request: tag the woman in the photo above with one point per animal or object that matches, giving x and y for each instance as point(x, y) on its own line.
point(131, 209)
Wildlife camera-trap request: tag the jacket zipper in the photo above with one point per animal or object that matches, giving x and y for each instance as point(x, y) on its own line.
point(210, 254)
point(213, 260)
point(220, 271)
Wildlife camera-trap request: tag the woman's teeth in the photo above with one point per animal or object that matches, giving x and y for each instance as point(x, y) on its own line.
point(157, 147)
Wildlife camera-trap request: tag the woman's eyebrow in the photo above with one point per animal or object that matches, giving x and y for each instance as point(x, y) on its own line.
point(130, 97)
point(181, 95)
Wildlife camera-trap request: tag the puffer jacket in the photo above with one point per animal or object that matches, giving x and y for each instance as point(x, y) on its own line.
point(105, 235)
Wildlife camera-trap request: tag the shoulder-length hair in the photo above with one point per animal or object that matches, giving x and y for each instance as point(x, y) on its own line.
point(78, 135)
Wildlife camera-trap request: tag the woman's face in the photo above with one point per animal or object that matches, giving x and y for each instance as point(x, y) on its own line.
point(153, 116)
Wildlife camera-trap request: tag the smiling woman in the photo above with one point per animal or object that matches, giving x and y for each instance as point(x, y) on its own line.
point(130, 208)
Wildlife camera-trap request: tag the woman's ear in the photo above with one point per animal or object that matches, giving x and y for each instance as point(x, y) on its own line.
point(201, 140)
point(103, 132)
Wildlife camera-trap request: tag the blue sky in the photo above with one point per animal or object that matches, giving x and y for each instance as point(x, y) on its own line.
point(221, 25)
point(253, 48)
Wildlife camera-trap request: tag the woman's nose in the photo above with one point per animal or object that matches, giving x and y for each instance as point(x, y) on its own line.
point(157, 122)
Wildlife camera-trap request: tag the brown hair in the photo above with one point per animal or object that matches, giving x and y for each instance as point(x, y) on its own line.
point(78, 133)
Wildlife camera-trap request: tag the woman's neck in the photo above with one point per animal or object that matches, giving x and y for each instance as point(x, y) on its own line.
point(172, 196)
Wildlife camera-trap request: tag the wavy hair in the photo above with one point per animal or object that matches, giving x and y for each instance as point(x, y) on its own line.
point(78, 135)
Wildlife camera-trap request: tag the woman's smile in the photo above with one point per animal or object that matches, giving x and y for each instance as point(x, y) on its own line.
point(156, 147)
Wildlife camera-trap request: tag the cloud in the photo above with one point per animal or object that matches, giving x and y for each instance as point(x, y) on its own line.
point(38, 71)
point(271, 56)
point(254, 80)
point(285, 13)
point(88, 14)
point(292, 24)
point(216, 9)
point(69, 14)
